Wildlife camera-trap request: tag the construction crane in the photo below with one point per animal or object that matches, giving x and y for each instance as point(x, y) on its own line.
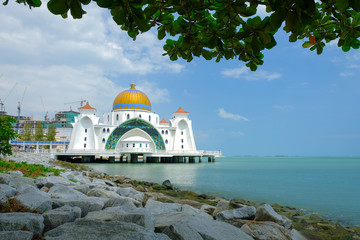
point(19, 111)
point(45, 112)
point(2, 109)
point(80, 101)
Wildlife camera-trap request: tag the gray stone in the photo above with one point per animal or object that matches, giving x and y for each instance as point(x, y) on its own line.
point(16, 235)
point(118, 179)
point(33, 198)
point(194, 211)
point(141, 218)
point(83, 188)
point(16, 181)
point(295, 235)
point(18, 221)
point(5, 192)
point(242, 213)
point(89, 228)
point(59, 216)
point(63, 192)
point(120, 201)
point(266, 213)
point(86, 205)
point(208, 209)
point(190, 227)
point(266, 231)
point(17, 173)
point(131, 193)
point(157, 207)
point(102, 193)
point(221, 205)
point(167, 184)
point(54, 180)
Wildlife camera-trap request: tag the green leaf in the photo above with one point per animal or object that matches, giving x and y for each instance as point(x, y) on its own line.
point(206, 54)
point(119, 16)
point(58, 6)
point(355, 4)
point(319, 49)
point(161, 33)
point(307, 44)
point(291, 19)
point(76, 10)
point(342, 4)
point(104, 3)
point(345, 47)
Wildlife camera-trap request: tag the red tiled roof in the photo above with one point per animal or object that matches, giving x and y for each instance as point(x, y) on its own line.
point(164, 121)
point(180, 110)
point(87, 106)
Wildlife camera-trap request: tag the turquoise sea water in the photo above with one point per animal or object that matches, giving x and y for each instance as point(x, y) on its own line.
point(326, 185)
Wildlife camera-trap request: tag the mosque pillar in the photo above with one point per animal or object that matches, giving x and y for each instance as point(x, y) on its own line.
point(209, 159)
point(200, 159)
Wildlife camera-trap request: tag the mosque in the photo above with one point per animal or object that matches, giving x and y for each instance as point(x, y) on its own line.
point(131, 132)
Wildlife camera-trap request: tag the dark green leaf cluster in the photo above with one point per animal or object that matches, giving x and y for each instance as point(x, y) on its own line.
point(217, 29)
point(6, 134)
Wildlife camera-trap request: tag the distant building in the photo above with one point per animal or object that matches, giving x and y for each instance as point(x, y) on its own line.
point(65, 119)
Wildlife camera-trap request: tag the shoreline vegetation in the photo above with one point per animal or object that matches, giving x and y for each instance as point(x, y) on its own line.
point(78, 192)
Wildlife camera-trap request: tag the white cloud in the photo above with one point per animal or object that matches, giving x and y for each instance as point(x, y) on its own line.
point(284, 107)
point(346, 74)
point(64, 60)
point(224, 114)
point(245, 73)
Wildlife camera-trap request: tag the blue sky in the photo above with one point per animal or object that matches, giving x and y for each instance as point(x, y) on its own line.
point(297, 103)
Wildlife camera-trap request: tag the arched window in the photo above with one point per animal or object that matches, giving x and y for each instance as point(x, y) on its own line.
point(166, 141)
point(140, 144)
point(166, 132)
point(117, 117)
point(133, 145)
point(84, 138)
point(162, 131)
point(182, 146)
point(182, 140)
point(85, 130)
point(108, 130)
point(104, 130)
point(103, 140)
point(84, 145)
point(127, 145)
point(140, 116)
point(108, 118)
point(149, 118)
point(182, 133)
point(128, 117)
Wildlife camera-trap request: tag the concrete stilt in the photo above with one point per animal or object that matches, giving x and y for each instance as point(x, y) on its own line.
point(200, 159)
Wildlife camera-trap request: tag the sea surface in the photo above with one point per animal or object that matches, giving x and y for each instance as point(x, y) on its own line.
point(329, 186)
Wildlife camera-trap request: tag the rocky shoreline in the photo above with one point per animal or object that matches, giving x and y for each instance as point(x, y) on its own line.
point(84, 204)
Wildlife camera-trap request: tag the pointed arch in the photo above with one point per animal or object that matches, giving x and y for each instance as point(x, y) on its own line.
point(131, 124)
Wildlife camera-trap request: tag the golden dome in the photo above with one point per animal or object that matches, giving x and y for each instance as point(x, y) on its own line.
point(132, 99)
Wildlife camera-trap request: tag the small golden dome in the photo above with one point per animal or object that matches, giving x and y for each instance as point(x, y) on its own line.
point(132, 99)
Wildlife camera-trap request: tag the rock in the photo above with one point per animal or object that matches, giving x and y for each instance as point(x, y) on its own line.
point(140, 189)
point(108, 182)
point(157, 207)
point(89, 228)
point(118, 179)
point(54, 180)
point(17, 173)
point(167, 184)
point(266, 231)
point(5, 192)
point(18, 221)
point(102, 193)
point(131, 193)
point(59, 216)
point(15, 181)
point(86, 205)
point(16, 235)
point(222, 205)
point(194, 211)
point(83, 188)
point(237, 222)
point(266, 213)
point(141, 218)
point(33, 198)
point(295, 235)
point(120, 201)
point(208, 209)
point(190, 227)
point(247, 213)
point(63, 192)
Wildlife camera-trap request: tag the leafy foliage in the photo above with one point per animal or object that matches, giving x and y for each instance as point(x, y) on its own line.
point(39, 132)
point(29, 170)
point(51, 133)
point(217, 29)
point(6, 134)
point(27, 133)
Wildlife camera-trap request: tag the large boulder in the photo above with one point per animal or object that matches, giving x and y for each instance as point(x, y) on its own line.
point(197, 227)
point(16, 235)
point(156, 207)
point(16, 181)
point(86, 205)
point(33, 198)
point(242, 213)
point(18, 221)
point(102, 193)
point(90, 228)
point(7, 190)
point(221, 205)
point(54, 180)
point(123, 202)
point(63, 192)
point(266, 231)
point(167, 184)
point(131, 193)
point(139, 216)
point(59, 216)
point(267, 213)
